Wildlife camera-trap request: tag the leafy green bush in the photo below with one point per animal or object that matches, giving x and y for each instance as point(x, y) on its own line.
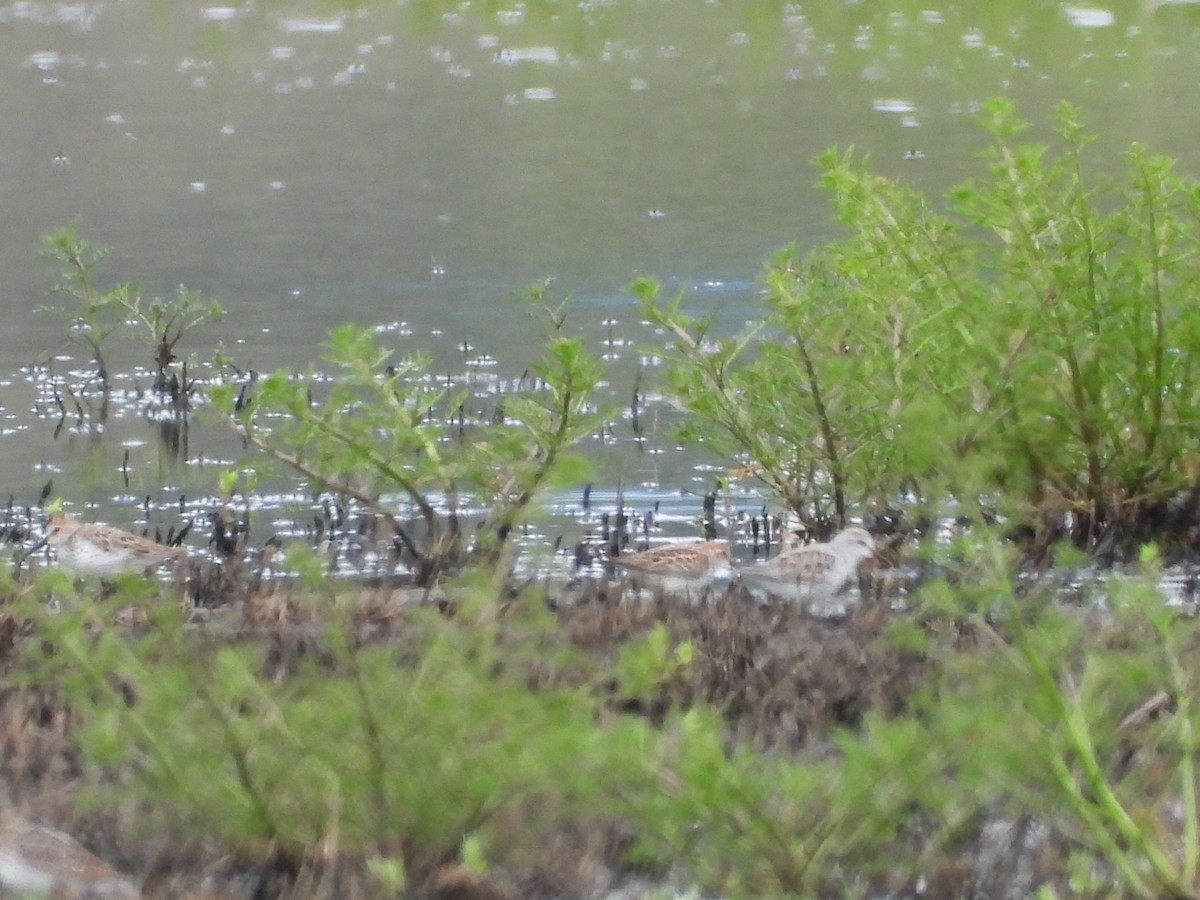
point(1034, 714)
point(327, 747)
point(389, 428)
point(1089, 730)
point(1027, 349)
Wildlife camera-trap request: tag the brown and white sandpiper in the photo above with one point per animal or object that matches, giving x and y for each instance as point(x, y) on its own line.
point(677, 568)
point(813, 571)
point(102, 550)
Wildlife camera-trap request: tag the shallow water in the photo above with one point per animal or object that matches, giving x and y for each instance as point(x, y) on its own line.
point(420, 162)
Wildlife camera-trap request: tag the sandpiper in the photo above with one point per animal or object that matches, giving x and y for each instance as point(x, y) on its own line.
point(677, 568)
point(811, 572)
point(102, 550)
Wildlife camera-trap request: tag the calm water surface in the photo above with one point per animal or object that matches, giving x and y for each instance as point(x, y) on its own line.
point(420, 162)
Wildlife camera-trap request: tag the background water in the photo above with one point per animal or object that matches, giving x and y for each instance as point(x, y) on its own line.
point(421, 162)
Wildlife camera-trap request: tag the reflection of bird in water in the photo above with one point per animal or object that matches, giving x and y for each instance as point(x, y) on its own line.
point(102, 550)
point(678, 568)
point(814, 571)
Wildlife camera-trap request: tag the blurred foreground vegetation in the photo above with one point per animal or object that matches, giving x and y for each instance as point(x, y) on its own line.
point(989, 741)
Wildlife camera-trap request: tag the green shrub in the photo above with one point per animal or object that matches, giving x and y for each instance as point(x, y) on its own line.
point(1033, 713)
point(327, 747)
point(1089, 730)
point(388, 435)
point(1026, 348)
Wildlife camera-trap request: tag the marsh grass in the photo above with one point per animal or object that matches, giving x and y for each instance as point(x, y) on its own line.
point(95, 314)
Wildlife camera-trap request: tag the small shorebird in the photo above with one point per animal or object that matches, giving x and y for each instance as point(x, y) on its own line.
point(811, 572)
point(87, 549)
point(678, 568)
point(42, 862)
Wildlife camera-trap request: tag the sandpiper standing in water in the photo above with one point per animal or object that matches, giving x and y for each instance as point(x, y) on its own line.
point(677, 568)
point(813, 571)
point(101, 550)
